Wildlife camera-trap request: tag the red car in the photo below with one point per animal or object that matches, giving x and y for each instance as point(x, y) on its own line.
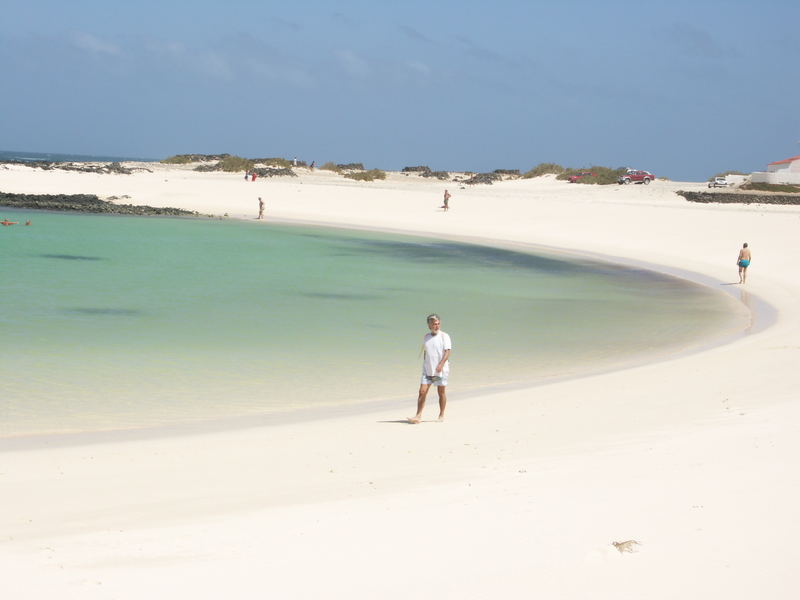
point(632, 176)
point(574, 178)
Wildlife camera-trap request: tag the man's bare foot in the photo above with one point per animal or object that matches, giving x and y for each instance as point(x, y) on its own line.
point(440, 419)
point(414, 420)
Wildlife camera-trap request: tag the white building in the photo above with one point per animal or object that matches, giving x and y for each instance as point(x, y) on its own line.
point(780, 171)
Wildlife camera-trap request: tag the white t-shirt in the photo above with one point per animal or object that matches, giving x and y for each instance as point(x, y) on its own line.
point(435, 346)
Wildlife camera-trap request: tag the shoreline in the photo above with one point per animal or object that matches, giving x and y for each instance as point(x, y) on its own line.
point(761, 312)
point(520, 491)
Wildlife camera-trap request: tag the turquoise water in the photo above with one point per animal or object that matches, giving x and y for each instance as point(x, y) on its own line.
point(121, 322)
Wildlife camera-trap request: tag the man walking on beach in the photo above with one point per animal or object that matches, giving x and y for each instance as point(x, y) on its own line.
point(446, 205)
point(743, 261)
point(435, 367)
point(260, 208)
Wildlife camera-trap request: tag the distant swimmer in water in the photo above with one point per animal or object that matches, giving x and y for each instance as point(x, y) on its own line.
point(743, 261)
point(6, 222)
point(27, 222)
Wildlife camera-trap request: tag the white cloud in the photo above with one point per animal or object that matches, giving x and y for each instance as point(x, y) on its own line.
point(281, 73)
point(215, 65)
point(87, 41)
point(353, 64)
point(418, 68)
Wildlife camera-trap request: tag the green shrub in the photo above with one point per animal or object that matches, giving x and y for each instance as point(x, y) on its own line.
point(603, 175)
point(231, 164)
point(370, 175)
point(207, 168)
point(329, 166)
point(178, 159)
point(543, 169)
point(351, 166)
point(771, 187)
point(274, 162)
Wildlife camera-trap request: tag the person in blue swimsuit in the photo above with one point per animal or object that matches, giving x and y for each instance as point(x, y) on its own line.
point(743, 261)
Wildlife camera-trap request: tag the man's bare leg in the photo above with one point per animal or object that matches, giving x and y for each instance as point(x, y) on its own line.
point(442, 389)
point(423, 392)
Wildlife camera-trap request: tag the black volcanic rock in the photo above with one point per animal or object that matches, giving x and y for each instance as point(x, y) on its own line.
point(84, 203)
point(740, 198)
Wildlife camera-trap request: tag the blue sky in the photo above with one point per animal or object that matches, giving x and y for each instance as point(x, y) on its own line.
point(684, 89)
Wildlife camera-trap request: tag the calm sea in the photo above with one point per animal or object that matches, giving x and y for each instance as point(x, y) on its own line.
point(122, 322)
point(55, 157)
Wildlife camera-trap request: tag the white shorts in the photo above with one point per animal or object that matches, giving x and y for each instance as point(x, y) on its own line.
point(429, 380)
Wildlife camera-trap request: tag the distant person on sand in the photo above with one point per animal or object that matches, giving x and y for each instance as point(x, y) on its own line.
point(311, 166)
point(743, 261)
point(435, 367)
point(446, 205)
point(254, 176)
point(246, 175)
point(260, 208)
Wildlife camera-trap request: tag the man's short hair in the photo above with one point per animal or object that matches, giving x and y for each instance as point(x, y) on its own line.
point(432, 317)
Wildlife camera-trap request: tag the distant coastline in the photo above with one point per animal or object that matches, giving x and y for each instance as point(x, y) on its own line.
point(18, 155)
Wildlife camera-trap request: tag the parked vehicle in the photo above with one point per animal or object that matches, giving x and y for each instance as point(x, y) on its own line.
point(577, 176)
point(718, 182)
point(633, 176)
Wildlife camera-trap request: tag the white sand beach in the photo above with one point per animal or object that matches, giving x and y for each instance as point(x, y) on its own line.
point(519, 494)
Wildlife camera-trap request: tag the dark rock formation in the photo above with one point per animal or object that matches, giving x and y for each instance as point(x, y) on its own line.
point(182, 159)
point(260, 171)
point(85, 203)
point(274, 172)
point(103, 169)
point(426, 172)
point(739, 198)
point(487, 178)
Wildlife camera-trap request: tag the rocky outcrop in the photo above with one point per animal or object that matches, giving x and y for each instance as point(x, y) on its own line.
point(273, 172)
point(442, 175)
point(103, 169)
point(740, 198)
point(182, 159)
point(424, 171)
point(487, 178)
point(85, 203)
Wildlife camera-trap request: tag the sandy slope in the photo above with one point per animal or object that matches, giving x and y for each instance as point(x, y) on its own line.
point(518, 495)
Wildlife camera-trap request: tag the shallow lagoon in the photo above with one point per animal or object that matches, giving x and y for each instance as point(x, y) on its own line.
point(120, 322)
